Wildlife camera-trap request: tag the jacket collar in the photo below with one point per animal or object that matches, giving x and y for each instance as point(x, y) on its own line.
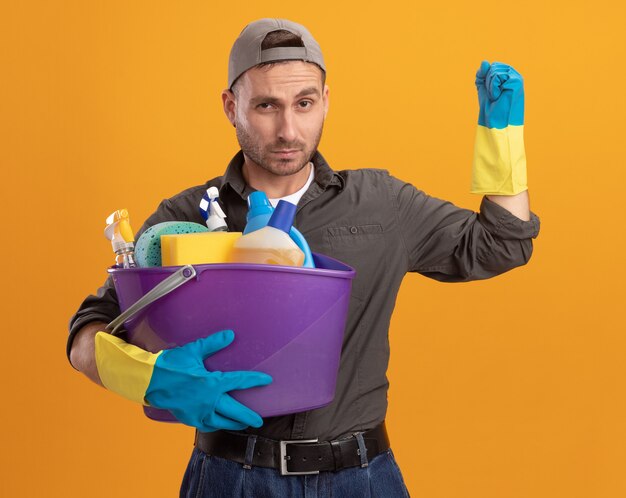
point(324, 176)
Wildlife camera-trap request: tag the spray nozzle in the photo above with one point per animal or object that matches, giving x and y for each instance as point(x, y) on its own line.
point(118, 228)
point(120, 233)
point(211, 210)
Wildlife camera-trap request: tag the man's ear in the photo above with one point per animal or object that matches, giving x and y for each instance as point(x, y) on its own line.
point(326, 99)
point(230, 105)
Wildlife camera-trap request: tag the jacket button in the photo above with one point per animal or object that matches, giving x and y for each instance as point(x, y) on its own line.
point(354, 229)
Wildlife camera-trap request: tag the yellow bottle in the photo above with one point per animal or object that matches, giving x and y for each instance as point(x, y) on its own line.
point(272, 244)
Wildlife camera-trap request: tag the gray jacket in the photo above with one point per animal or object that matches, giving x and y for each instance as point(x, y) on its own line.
point(383, 228)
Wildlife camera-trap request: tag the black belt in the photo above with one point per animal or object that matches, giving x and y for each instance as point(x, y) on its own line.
point(302, 456)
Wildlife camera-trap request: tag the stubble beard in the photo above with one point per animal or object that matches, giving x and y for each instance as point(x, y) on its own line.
point(262, 156)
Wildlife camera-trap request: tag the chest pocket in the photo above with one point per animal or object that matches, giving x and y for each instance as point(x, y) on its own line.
point(363, 248)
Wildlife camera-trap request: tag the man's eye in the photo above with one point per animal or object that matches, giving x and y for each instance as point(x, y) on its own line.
point(264, 105)
point(305, 104)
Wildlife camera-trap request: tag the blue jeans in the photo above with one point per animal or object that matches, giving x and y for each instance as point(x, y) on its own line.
point(209, 476)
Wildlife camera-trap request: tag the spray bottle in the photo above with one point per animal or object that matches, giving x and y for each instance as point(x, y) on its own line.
point(120, 233)
point(259, 213)
point(271, 245)
point(212, 212)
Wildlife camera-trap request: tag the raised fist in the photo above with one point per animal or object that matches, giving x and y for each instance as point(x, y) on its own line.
point(500, 95)
point(499, 166)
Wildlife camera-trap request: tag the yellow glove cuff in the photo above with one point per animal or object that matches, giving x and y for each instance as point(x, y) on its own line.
point(499, 161)
point(124, 368)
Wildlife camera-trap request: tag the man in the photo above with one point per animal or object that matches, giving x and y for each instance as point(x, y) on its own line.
point(277, 101)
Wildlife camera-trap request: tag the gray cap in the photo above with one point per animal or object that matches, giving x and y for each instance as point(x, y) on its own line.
point(246, 52)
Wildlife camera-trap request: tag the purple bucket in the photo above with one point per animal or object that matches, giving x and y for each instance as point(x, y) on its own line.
point(288, 322)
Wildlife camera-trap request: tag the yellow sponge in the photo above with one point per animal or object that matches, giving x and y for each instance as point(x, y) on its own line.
point(197, 248)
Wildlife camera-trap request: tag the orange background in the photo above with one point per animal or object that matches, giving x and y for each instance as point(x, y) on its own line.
point(507, 388)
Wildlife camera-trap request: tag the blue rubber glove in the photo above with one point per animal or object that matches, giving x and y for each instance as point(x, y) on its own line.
point(499, 155)
point(177, 380)
point(500, 95)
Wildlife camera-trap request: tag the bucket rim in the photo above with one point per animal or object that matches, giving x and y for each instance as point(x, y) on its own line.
point(346, 271)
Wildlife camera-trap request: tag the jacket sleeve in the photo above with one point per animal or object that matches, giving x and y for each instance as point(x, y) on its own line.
point(451, 244)
point(103, 306)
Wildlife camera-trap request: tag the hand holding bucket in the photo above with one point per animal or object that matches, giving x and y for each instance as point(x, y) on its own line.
point(177, 380)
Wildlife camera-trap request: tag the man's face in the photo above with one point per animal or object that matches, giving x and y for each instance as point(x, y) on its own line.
point(279, 114)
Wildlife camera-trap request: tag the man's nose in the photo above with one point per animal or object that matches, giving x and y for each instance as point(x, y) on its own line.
point(287, 126)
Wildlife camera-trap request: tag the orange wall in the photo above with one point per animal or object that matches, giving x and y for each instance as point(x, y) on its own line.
point(508, 388)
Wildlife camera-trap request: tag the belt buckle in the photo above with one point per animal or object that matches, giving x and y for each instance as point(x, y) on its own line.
point(283, 457)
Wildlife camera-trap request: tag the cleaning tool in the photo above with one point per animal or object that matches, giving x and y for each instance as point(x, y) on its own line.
point(120, 233)
point(499, 165)
point(271, 245)
point(213, 245)
point(212, 212)
point(148, 247)
point(177, 380)
point(198, 248)
point(259, 213)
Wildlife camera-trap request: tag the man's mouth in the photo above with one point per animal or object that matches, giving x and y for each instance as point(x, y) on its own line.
point(286, 152)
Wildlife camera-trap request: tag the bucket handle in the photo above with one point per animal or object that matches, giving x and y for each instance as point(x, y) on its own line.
point(172, 282)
